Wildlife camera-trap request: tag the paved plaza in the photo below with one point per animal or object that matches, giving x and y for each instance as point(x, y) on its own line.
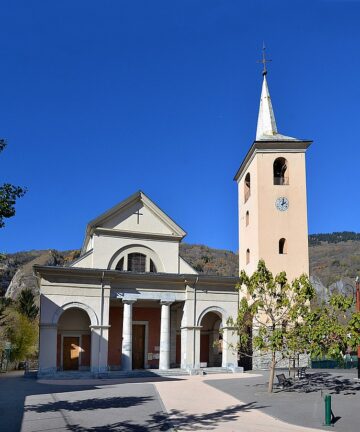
point(223, 402)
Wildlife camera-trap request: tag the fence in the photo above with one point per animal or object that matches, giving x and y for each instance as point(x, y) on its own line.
point(348, 362)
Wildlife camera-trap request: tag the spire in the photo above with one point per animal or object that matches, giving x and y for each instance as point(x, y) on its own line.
point(266, 120)
point(266, 125)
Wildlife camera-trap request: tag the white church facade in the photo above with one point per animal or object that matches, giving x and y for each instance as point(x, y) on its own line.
point(131, 302)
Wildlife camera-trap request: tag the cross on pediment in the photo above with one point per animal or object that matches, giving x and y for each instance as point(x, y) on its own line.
point(138, 214)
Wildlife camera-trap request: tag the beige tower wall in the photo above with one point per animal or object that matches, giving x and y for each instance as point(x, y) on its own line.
point(249, 234)
point(267, 224)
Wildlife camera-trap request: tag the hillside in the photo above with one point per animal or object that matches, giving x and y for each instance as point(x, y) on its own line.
point(334, 263)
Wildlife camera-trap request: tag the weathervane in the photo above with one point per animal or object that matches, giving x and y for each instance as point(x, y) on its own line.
point(264, 60)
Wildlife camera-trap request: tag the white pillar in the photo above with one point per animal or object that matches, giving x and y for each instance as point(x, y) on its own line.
point(229, 352)
point(164, 362)
point(126, 353)
point(48, 348)
point(99, 348)
point(173, 325)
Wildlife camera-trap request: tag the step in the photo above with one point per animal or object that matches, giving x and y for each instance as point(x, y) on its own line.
point(143, 373)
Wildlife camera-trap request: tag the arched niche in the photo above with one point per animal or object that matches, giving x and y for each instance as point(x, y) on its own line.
point(247, 187)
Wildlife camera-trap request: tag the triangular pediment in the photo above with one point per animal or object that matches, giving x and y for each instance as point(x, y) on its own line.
point(139, 215)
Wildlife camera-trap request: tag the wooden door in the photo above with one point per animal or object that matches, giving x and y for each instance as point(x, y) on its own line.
point(71, 353)
point(138, 346)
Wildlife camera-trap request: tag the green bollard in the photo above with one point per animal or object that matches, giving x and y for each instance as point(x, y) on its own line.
point(327, 400)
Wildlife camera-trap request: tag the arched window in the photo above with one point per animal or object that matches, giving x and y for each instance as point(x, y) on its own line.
point(136, 262)
point(247, 256)
point(152, 266)
point(136, 258)
point(281, 171)
point(247, 218)
point(120, 265)
point(247, 187)
point(282, 246)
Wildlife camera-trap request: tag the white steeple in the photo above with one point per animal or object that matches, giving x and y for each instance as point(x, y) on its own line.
point(266, 124)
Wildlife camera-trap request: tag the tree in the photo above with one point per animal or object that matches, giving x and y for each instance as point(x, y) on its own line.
point(332, 329)
point(8, 196)
point(286, 325)
point(276, 308)
point(21, 332)
point(26, 304)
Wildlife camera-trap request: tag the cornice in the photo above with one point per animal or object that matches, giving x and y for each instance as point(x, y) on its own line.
point(271, 147)
point(114, 275)
point(109, 232)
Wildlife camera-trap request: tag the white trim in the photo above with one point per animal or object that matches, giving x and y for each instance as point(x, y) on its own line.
point(146, 344)
point(61, 309)
point(218, 309)
point(136, 248)
point(257, 151)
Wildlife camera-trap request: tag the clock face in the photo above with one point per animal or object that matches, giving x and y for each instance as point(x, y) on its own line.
point(282, 203)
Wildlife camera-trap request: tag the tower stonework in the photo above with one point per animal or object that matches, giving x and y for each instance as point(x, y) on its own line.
point(272, 199)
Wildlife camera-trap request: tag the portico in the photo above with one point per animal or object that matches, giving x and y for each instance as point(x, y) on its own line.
point(131, 302)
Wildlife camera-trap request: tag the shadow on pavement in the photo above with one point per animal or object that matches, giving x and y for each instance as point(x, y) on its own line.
point(89, 404)
point(14, 388)
point(176, 419)
point(324, 381)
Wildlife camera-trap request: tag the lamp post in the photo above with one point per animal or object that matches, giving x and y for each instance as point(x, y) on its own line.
point(357, 282)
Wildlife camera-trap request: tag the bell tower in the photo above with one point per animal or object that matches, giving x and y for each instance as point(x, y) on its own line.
point(272, 198)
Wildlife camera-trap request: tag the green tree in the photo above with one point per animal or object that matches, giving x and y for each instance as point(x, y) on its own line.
point(21, 332)
point(26, 304)
point(8, 196)
point(332, 328)
point(285, 324)
point(275, 308)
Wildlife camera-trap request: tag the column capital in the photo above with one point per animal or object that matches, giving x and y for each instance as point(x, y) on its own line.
point(166, 302)
point(128, 301)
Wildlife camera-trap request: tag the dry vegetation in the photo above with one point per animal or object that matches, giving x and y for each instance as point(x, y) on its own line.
point(334, 260)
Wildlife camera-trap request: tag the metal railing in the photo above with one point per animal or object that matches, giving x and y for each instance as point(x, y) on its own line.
point(281, 180)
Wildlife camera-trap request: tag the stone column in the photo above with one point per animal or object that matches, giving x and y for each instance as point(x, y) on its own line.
point(164, 362)
point(126, 354)
point(173, 325)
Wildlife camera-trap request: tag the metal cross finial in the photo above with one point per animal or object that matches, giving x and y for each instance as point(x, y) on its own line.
point(264, 60)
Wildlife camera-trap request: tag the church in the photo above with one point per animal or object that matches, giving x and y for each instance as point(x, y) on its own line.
point(130, 302)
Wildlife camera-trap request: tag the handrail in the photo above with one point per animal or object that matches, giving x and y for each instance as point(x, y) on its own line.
point(281, 180)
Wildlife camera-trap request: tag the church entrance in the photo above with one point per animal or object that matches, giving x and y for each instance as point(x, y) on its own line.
point(138, 346)
point(73, 340)
point(211, 340)
point(71, 353)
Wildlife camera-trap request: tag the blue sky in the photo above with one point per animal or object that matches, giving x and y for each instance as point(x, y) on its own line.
point(102, 98)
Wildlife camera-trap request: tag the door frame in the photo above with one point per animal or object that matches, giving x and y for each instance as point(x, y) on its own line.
point(70, 334)
point(146, 342)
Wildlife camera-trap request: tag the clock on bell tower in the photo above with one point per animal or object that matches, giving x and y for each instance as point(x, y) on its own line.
point(272, 198)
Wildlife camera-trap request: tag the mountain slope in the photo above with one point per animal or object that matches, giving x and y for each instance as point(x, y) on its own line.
point(334, 263)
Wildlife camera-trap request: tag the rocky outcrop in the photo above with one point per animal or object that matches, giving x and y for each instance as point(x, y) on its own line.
point(333, 265)
point(24, 276)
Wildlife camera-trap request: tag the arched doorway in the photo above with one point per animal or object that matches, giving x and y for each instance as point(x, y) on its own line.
point(73, 340)
point(211, 340)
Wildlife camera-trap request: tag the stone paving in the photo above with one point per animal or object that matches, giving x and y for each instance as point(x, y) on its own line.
point(303, 402)
point(223, 402)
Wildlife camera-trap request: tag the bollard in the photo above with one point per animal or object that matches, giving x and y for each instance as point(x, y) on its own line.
point(327, 400)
